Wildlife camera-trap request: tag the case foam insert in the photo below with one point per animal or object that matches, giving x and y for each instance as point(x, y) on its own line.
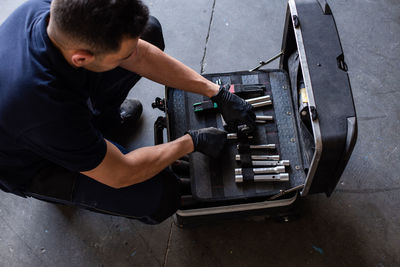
point(214, 179)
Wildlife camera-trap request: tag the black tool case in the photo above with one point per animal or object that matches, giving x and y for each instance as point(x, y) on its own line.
point(314, 125)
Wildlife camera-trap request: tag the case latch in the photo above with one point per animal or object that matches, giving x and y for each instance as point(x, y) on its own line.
point(159, 103)
point(296, 21)
point(314, 114)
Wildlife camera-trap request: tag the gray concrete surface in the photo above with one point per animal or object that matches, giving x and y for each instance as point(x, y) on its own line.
point(358, 226)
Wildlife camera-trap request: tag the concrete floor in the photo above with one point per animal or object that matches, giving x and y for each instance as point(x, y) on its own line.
point(358, 226)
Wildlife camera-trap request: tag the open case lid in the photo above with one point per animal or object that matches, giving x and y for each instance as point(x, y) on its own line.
point(310, 36)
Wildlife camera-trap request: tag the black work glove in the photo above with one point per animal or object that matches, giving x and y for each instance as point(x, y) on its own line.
point(209, 141)
point(235, 110)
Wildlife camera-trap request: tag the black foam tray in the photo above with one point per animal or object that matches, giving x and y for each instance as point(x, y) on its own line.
point(213, 179)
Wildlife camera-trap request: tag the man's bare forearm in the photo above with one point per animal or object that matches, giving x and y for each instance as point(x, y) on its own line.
point(152, 160)
point(152, 63)
point(118, 170)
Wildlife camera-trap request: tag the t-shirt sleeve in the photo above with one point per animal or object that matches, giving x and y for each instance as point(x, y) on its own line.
point(75, 145)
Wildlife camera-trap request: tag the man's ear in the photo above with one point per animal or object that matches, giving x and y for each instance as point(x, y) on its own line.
point(81, 58)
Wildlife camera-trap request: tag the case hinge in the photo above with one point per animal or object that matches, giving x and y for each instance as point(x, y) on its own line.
point(325, 7)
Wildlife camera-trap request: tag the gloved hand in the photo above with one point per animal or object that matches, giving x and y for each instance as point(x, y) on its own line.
point(235, 110)
point(209, 141)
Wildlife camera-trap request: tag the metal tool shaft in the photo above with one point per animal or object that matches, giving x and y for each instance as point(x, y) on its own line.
point(262, 104)
point(261, 157)
point(231, 136)
point(271, 163)
point(264, 118)
point(265, 157)
point(281, 177)
point(277, 169)
point(267, 146)
point(263, 63)
point(258, 99)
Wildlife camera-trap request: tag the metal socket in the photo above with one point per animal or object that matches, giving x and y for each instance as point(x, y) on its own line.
point(271, 163)
point(267, 146)
point(277, 169)
point(282, 177)
point(261, 157)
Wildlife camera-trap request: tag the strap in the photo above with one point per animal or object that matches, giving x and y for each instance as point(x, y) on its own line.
point(244, 148)
point(248, 175)
point(245, 159)
point(216, 174)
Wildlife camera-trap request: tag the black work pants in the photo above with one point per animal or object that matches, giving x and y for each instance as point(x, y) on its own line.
point(151, 201)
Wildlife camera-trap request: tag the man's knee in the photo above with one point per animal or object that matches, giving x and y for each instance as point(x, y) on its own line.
point(153, 33)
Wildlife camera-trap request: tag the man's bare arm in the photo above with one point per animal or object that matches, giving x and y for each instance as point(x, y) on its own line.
point(152, 63)
point(118, 170)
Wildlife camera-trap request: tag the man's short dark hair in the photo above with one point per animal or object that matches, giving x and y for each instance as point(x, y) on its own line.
point(100, 24)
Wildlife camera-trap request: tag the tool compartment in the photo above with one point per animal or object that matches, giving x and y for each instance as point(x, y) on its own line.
point(213, 179)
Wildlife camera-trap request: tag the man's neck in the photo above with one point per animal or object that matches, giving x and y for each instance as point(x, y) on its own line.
point(53, 39)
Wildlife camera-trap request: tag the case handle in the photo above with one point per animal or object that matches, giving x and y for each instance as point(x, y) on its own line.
point(159, 125)
point(341, 63)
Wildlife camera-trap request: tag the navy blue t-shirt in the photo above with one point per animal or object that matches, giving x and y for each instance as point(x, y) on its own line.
point(44, 113)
